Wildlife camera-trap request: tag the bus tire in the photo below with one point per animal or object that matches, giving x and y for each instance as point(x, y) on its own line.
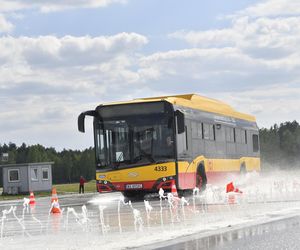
point(185, 193)
point(201, 179)
point(133, 195)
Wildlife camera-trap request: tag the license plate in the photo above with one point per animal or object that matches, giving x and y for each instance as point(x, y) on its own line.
point(134, 186)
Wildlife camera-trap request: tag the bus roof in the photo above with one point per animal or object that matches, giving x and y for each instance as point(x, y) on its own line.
point(195, 101)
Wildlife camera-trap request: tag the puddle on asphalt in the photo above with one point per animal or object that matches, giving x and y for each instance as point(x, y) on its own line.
point(217, 241)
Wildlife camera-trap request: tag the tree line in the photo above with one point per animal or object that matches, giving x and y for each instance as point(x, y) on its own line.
point(280, 146)
point(68, 166)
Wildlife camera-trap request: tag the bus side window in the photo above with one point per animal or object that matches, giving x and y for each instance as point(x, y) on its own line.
point(234, 135)
point(255, 143)
point(186, 138)
point(182, 142)
point(205, 131)
point(194, 130)
point(238, 136)
point(230, 134)
point(220, 133)
point(212, 132)
point(243, 134)
point(199, 130)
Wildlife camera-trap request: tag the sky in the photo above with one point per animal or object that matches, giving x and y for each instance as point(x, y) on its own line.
point(59, 58)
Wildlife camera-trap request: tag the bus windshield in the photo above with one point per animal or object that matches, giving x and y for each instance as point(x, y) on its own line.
point(135, 140)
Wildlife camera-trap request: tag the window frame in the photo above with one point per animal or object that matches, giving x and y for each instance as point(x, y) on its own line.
point(200, 130)
point(234, 135)
point(8, 175)
point(47, 169)
point(31, 177)
point(255, 146)
point(206, 131)
point(230, 134)
point(186, 137)
point(214, 132)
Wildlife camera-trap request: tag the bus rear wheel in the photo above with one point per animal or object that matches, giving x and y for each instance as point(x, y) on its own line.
point(201, 179)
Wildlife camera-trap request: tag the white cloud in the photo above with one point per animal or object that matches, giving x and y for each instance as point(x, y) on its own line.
point(5, 26)
point(209, 38)
point(50, 6)
point(51, 51)
point(263, 37)
point(272, 8)
point(270, 105)
point(253, 64)
point(47, 81)
point(48, 63)
point(248, 53)
point(215, 68)
point(54, 5)
point(13, 7)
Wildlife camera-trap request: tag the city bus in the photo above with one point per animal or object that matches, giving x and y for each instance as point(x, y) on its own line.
point(146, 144)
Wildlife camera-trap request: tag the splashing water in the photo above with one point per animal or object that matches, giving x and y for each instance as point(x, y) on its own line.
point(4, 214)
point(148, 208)
point(25, 206)
point(81, 218)
point(104, 227)
point(71, 210)
point(138, 221)
point(161, 193)
point(183, 202)
point(173, 207)
point(85, 220)
point(161, 197)
point(196, 192)
point(20, 221)
point(255, 201)
point(121, 200)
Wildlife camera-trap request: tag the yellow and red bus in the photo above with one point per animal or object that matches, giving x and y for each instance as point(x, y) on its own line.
point(146, 144)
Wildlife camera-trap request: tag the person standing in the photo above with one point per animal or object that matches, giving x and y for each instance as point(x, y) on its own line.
point(81, 184)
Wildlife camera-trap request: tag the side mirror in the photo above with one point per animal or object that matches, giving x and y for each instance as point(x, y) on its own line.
point(81, 119)
point(180, 122)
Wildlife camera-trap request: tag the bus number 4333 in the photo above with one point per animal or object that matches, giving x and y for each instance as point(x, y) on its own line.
point(160, 168)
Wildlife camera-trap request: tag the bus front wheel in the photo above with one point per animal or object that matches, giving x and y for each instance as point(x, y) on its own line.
point(133, 195)
point(201, 179)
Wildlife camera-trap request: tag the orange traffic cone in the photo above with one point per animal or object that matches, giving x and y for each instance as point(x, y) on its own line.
point(54, 202)
point(54, 195)
point(31, 199)
point(233, 191)
point(174, 189)
point(231, 188)
point(55, 209)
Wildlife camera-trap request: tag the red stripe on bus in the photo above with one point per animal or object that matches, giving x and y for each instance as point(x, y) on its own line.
point(188, 180)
